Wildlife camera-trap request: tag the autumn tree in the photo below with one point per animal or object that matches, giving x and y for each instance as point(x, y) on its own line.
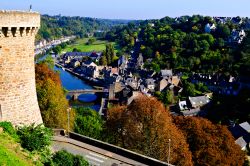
point(210, 144)
point(146, 127)
point(51, 98)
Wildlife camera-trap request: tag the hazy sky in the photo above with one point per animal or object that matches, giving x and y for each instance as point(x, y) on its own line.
point(132, 9)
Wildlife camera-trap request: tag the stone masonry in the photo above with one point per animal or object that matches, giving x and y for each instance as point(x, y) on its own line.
point(18, 99)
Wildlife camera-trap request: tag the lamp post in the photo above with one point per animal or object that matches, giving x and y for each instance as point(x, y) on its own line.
point(68, 111)
point(169, 141)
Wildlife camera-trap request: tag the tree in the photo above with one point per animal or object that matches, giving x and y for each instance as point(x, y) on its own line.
point(166, 97)
point(76, 50)
point(210, 144)
point(34, 137)
point(91, 41)
point(88, 122)
point(62, 158)
point(51, 98)
point(222, 31)
point(103, 61)
point(145, 126)
point(57, 49)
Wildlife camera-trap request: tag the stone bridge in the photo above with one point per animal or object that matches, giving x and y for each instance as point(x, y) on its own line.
point(74, 94)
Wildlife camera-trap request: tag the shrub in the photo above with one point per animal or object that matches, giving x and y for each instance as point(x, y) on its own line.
point(62, 158)
point(34, 137)
point(8, 128)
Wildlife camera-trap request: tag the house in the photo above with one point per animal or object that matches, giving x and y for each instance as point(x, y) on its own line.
point(89, 68)
point(111, 75)
point(122, 64)
point(144, 90)
point(163, 83)
point(245, 126)
point(74, 63)
point(150, 84)
point(218, 83)
point(115, 89)
point(88, 64)
point(175, 80)
point(135, 95)
point(242, 143)
point(241, 133)
point(122, 60)
point(67, 57)
point(199, 101)
point(95, 56)
point(194, 106)
point(139, 63)
point(237, 36)
point(182, 105)
point(166, 73)
point(132, 82)
point(208, 28)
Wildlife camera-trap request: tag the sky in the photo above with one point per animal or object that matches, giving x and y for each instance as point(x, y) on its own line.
point(132, 9)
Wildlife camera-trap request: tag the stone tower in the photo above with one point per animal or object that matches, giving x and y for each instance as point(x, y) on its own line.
point(18, 100)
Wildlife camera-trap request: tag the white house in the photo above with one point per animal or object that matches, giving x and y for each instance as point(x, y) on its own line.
point(209, 28)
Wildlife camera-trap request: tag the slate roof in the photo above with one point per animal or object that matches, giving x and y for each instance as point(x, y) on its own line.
point(245, 126)
point(150, 81)
point(241, 142)
point(199, 101)
point(166, 73)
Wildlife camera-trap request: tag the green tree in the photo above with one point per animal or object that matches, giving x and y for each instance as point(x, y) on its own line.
point(103, 60)
point(222, 31)
point(63, 158)
point(91, 41)
point(57, 49)
point(88, 122)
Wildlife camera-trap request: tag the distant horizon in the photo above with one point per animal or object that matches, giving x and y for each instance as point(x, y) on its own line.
point(131, 9)
point(139, 19)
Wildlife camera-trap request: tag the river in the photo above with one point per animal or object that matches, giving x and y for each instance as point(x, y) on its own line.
point(71, 82)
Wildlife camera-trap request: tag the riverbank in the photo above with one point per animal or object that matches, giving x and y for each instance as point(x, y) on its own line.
point(89, 80)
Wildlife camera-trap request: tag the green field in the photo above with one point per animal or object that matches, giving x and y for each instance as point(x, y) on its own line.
point(97, 46)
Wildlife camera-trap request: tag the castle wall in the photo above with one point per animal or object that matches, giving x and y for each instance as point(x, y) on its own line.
point(18, 100)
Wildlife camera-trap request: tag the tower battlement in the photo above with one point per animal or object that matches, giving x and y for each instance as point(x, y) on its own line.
point(18, 23)
point(18, 99)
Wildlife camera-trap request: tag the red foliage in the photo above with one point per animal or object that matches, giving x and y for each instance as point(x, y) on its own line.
point(210, 144)
point(146, 127)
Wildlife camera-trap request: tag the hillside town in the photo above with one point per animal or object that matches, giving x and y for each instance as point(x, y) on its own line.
point(143, 90)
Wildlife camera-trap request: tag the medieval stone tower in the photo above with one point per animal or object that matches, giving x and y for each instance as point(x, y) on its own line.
point(18, 100)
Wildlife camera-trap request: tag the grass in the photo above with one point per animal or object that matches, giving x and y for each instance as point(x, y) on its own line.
point(97, 46)
point(11, 152)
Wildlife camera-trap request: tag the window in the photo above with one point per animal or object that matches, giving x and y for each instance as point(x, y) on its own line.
point(0, 50)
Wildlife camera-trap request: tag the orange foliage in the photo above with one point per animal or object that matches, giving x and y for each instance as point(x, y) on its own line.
point(146, 126)
point(44, 73)
point(210, 144)
point(51, 98)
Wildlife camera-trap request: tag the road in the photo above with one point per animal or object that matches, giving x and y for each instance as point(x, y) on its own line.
point(95, 156)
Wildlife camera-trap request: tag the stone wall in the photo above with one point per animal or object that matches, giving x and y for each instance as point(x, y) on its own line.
point(18, 100)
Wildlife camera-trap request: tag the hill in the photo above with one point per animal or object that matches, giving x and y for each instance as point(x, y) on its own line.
point(58, 26)
point(11, 152)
